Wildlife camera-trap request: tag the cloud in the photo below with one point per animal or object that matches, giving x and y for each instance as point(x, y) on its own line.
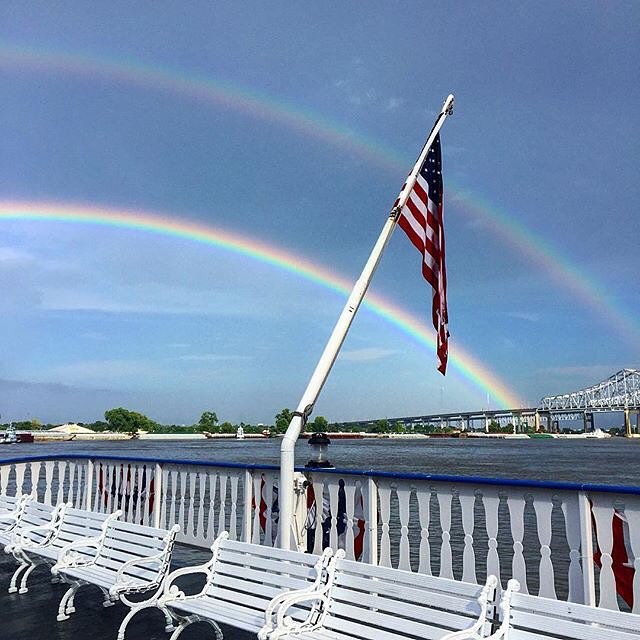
point(393, 103)
point(523, 315)
point(366, 354)
point(211, 357)
point(595, 372)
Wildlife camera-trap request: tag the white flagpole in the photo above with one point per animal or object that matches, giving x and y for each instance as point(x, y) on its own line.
point(331, 350)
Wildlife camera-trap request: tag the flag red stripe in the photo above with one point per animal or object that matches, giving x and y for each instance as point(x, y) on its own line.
point(421, 218)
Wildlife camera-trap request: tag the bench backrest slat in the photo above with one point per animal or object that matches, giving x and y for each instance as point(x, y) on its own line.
point(8, 503)
point(568, 621)
point(78, 524)
point(124, 542)
point(390, 604)
point(35, 514)
point(251, 575)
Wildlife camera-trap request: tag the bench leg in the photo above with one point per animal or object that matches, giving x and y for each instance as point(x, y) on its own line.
point(127, 619)
point(185, 622)
point(13, 588)
point(63, 611)
point(25, 577)
point(107, 602)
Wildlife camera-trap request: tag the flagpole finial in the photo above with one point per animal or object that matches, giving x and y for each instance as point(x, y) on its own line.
point(447, 107)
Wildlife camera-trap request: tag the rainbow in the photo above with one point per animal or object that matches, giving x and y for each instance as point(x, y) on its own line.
point(463, 362)
point(309, 124)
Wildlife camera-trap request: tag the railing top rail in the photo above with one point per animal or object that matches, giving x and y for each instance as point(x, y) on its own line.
point(365, 473)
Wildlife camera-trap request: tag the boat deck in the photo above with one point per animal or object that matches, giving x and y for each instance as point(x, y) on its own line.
point(33, 615)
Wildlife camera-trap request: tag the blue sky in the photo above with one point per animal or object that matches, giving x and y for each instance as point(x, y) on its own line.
point(545, 131)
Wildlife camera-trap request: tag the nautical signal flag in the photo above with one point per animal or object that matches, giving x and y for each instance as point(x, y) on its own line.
point(421, 218)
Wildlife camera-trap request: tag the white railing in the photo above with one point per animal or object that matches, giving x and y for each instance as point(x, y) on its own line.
point(544, 534)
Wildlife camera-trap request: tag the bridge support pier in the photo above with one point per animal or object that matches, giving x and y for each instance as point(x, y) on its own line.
point(587, 419)
point(629, 430)
point(536, 417)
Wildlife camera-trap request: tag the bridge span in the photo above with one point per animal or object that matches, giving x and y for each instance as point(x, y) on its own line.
point(618, 393)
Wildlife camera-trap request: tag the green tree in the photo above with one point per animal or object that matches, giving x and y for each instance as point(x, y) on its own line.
point(208, 421)
point(320, 425)
point(227, 427)
point(127, 421)
point(381, 426)
point(282, 420)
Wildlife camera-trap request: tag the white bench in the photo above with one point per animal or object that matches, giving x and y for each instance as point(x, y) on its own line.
point(129, 559)
point(367, 602)
point(28, 514)
point(527, 617)
point(241, 580)
point(10, 506)
point(43, 544)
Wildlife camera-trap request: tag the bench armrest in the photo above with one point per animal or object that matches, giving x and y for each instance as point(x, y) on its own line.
point(24, 541)
point(477, 630)
point(69, 556)
point(162, 558)
point(316, 591)
point(513, 586)
point(285, 624)
point(171, 591)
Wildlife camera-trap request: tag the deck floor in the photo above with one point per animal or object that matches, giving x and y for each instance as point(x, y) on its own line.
point(32, 616)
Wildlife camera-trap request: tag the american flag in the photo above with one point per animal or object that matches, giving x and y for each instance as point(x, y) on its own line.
point(422, 220)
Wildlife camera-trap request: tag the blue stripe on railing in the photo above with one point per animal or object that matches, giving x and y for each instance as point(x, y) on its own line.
point(367, 473)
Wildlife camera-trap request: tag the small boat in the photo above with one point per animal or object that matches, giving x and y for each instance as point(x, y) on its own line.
point(10, 436)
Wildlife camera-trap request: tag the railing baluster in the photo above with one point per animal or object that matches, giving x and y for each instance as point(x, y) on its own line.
point(571, 511)
point(174, 497)
point(403, 491)
point(632, 514)
point(190, 527)
point(233, 516)
point(20, 473)
point(491, 500)
point(543, 507)
point(318, 492)
point(349, 494)
point(258, 480)
point(246, 507)
point(222, 514)
point(202, 487)
point(516, 503)
point(467, 498)
point(48, 478)
point(446, 562)
point(603, 514)
point(424, 515)
point(211, 525)
point(384, 493)
point(370, 498)
point(333, 509)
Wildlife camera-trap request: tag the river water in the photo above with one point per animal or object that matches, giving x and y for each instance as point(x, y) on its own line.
point(611, 461)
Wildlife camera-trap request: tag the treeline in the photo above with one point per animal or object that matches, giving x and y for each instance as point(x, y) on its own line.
point(127, 421)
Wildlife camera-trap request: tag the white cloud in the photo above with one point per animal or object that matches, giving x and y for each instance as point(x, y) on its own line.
point(594, 372)
point(211, 357)
point(524, 315)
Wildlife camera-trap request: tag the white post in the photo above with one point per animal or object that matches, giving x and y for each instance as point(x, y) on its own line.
point(89, 486)
point(331, 350)
point(159, 493)
point(247, 510)
point(586, 549)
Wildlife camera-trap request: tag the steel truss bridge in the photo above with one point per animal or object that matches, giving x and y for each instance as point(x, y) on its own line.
point(620, 392)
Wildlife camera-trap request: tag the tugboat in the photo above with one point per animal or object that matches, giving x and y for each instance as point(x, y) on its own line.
point(10, 436)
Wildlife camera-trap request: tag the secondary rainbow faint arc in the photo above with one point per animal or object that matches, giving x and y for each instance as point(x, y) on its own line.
point(464, 362)
point(313, 125)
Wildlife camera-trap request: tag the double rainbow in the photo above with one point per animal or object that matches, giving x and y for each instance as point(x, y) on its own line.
point(259, 105)
point(462, 361)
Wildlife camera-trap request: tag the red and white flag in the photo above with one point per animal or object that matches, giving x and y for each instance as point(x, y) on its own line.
point(422, 220)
